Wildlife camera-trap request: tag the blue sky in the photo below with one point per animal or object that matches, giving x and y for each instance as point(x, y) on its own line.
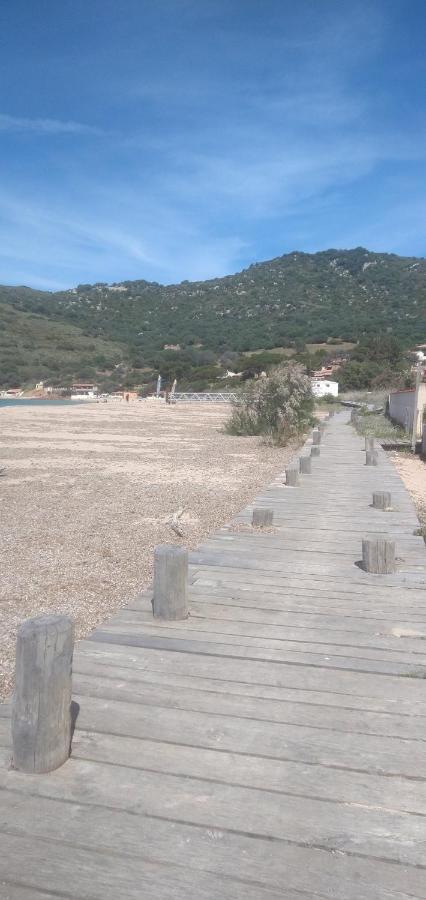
point(172, 139)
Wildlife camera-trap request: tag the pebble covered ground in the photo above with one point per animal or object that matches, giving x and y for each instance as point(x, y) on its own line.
point(412, 470)
point(88, 493)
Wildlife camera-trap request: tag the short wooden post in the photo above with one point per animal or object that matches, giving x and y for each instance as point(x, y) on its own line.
point(354, 415)
point(316, 436)
point(378, 555)
point(262, 518)
point(315, 451)
point(305, 465)
point(41, 709)
point(369, 442)
point(371, 458)
point(292, 476)
point(382, 500)
point(170, 600)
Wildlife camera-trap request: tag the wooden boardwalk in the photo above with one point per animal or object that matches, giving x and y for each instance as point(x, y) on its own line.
point(272, 745)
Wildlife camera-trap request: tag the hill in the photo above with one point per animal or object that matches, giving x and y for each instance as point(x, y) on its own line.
point(335, 295)
point(34, 348)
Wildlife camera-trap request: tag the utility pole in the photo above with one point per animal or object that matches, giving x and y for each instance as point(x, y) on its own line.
point(416, 406)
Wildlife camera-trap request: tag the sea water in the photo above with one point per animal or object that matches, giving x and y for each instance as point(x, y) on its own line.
point(34, 401)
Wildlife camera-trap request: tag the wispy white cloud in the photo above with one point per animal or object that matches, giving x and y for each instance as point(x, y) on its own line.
point(214, 162)
point(45, 126)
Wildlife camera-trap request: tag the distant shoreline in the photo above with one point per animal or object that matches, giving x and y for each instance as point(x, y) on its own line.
point(33, 401)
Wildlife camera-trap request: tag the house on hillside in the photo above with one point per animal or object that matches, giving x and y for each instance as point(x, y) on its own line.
point(327, 371)
point(12, 393)
point(84, 391)
point(322, 387)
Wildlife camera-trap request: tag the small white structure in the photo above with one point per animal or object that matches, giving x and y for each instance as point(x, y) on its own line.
point(84, 391)
point(230, 374)
point(322, 388)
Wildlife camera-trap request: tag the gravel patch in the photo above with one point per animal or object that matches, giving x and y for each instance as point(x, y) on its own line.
point(90, 490)
point(412, 470)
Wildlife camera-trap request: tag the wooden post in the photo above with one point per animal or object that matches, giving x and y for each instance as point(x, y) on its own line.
point(315, 451)
point(305, 465)
point(262, 518)
point(170, 600)
point(378, 555)
point(316, 436)
point(41, 709)
point(381, 500)
point(369, 442)
point(322, 427)
point(371, 458)
point(292, 476)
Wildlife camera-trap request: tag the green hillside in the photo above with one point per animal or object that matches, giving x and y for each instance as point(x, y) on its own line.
point(335, 295)
point(34, 348)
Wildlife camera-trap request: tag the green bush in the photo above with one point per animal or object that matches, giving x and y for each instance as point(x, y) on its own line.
point(278, 407)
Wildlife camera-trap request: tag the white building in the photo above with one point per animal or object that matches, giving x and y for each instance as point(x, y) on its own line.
point(322, 388)
point(402, 408)
point(84, 391)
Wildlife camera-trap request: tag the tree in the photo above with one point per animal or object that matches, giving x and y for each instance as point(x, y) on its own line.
point(279, 406)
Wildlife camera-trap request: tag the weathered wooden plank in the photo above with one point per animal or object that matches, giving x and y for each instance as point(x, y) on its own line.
point(213, 805)
point(96, 875)
point(338, 719)
point(244, 770)
point(287, 776)
point(19, 892)
point(198, 647)
point(407, 707)
point(273, 740)
point(235, 575)
point(314, 591)
point(298, 649)
point(278, 634)
point(357, 622)
point(269, 864)
point(251, 671)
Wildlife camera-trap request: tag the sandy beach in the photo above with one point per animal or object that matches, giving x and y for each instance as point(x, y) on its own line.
point(413, 473)
point(88, 493)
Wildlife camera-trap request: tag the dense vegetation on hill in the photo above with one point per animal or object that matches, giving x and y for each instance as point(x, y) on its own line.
point(332, 296)
point(34, 348)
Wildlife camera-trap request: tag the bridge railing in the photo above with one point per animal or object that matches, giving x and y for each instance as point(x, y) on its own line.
point(223, 397)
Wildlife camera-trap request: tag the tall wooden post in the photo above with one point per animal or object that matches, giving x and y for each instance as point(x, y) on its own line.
point(382, 500)
point(262, 518)
point(371, 458)
point(292, 476)
point(305, 465)
point(41, 709)
point(378, 555)
point(170, 600)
